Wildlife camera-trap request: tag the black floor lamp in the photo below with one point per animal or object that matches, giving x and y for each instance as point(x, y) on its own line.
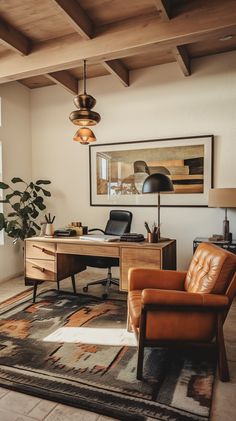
point(157, 183)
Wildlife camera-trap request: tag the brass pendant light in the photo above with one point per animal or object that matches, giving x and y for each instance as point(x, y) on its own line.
point(84, 116)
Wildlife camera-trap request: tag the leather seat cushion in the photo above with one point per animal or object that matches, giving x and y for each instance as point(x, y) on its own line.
point(134, 302)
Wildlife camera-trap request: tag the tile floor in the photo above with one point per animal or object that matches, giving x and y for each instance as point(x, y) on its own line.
point(16, 406)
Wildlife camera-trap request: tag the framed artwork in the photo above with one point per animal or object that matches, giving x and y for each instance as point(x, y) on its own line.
point(118, 170)
point(1, 206)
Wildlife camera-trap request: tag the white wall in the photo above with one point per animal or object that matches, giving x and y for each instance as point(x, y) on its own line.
point(15, 134)
point(160, 103)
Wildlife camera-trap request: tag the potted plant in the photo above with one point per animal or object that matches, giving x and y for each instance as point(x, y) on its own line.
point(26, 204)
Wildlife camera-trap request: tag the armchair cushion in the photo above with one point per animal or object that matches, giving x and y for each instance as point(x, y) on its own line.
point(140, 278)
point(210, 270)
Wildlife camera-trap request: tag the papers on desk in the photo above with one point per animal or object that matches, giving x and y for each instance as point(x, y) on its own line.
point(99, 237)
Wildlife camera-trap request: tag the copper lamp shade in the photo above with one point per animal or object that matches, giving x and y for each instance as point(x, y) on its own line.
point(84, 135)
point(157, 183)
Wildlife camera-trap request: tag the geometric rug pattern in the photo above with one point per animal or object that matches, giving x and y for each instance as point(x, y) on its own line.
point(177, 386)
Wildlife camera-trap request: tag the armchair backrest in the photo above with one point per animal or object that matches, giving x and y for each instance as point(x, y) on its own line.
point(119, 222)
point(211, 270)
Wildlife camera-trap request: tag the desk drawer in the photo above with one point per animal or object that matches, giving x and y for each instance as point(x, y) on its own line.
point(44, 270)
point(88, 250)
point(134, 257)
point(40, 250)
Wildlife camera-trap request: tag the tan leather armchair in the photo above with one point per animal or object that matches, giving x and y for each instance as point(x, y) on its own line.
point(167, 308)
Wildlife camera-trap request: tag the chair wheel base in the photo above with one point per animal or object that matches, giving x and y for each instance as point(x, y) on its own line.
point(85, 289)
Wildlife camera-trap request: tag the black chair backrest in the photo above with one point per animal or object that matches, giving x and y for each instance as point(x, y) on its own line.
point(119, 222)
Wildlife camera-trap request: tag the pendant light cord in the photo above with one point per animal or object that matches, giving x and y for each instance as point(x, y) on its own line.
point(85, 76)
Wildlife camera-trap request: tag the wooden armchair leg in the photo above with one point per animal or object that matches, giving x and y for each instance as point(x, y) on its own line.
point(140, 361)
point(141, 344)
point(221, 351)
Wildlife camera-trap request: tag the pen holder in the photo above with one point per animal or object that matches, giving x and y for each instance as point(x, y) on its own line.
point(49, 230)
point(152, 237)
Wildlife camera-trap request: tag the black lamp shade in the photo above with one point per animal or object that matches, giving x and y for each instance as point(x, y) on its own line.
point(156, 183)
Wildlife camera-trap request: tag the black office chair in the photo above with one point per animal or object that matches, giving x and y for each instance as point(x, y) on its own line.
point(118, 224)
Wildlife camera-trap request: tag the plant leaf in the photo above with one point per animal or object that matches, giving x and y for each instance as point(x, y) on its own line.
point(43, 182)
point(9, 196)
point(36, 225)
point(2, 221)
point(46, 192)
point(12, 214)
point(25, 196)
point(3, 186)
point(34, 214)
point(31, 232)
point(41, 206)
point(16, 206)
point(17, 180)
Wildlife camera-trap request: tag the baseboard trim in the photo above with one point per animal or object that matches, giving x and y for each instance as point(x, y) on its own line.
point(8, 278)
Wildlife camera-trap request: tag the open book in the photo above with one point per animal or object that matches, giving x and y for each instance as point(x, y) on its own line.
point(99, 237)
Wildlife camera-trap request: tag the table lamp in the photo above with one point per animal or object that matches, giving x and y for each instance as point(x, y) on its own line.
point(223, 198)
point(157, 183)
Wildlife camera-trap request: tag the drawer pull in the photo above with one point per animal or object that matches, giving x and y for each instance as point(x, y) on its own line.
point(44, 250)
point(43, 270)
point(39, 268)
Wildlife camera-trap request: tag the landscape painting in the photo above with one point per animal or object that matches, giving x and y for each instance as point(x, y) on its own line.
point(118, 171)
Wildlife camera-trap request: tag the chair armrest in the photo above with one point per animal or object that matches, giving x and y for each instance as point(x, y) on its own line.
point(183, 298)
point(140, 278)
point(96, 229)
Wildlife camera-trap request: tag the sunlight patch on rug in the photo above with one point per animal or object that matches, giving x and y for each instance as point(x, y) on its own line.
point(97, 336)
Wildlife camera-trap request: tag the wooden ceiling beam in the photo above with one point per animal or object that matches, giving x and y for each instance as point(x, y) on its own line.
point(164, 9)
point(84, 26)
point(13, 38)
point(66, 80)
point(117, 68)
point(183, 59)
point(127, 38)
point(76, 17)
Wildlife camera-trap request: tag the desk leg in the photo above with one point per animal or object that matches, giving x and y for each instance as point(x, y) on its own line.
point(35, 291)
point(73, 283)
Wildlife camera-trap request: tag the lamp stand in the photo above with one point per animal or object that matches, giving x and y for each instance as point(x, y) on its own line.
point(159, 238)
point(226, 233)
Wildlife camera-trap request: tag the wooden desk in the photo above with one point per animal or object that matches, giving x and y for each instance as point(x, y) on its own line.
point(54, 259)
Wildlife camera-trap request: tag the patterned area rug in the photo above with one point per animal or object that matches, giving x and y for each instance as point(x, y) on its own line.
point(99, 378)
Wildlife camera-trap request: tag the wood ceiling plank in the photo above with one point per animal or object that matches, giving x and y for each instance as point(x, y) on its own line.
point(183, 59)
point(117, 68)
point(127, 38)
point(66, 80)
point(36, 82)
point(164, 9)
point(76, 17)
point(103, 12)
point(13, 38)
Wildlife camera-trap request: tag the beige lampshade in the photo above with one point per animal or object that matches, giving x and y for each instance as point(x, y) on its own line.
point(222, 198)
